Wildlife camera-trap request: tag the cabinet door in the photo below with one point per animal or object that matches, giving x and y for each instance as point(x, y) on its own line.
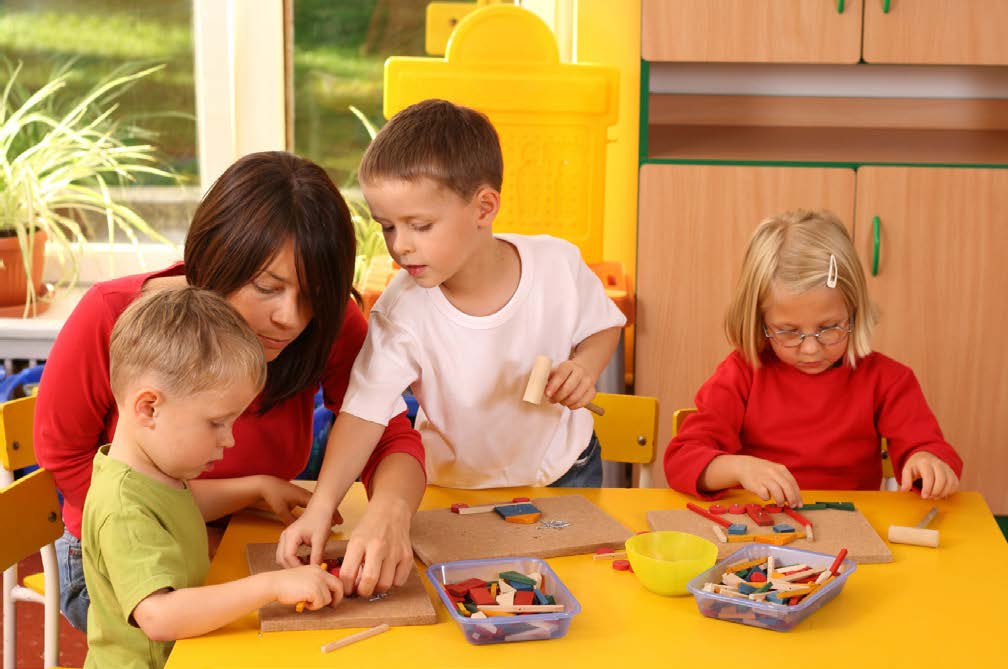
point(695, 223)
point(757, 31)
point(952, 32)
point(942, 292)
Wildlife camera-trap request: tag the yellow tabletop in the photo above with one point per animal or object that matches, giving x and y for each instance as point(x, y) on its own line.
point(943, 607)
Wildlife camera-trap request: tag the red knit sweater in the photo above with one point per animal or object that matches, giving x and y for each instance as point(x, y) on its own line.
point(76, 413)
point(825, 428)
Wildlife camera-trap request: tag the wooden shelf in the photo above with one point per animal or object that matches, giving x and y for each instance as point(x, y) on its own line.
point(828, 130)
point(828, 145)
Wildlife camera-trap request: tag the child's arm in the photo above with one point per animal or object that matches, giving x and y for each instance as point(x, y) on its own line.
point(350, 443)
point(168, 615)
point(572, 382)
point(761, 477)
point(219, 497)
point(915, 441)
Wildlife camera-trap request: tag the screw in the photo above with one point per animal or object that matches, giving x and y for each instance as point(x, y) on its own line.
point(15, 445)
point(642, 440)
point(52, 516)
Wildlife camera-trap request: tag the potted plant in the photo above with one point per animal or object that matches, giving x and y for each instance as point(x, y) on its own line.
point(58, 158)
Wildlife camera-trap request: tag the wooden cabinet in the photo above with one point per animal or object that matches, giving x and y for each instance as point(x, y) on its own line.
point(942, 290)
point(761, 31)
point(695, 222)
point(948, 32)
point(945, 32)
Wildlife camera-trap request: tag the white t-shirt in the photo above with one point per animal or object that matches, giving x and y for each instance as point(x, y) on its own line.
point(469, 373)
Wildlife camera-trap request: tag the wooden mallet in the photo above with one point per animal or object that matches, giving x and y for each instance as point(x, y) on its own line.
point(917, 535)
point(537, 384)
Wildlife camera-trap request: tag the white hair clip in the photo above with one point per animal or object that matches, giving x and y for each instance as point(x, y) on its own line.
point(831, 274)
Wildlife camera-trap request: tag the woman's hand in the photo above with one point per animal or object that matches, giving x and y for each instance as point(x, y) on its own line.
point(379, 554)
point(282, 497)
point(936, 477)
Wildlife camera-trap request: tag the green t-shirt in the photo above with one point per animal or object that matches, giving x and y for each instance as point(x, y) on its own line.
point(138, 536)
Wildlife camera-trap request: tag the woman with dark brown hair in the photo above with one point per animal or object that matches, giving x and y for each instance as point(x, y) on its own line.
point(274, 237)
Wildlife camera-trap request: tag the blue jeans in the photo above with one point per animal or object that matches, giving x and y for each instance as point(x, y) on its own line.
point(586, 472)
point(74, 600)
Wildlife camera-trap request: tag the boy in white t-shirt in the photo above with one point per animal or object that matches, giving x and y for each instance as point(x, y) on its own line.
point(462, 323)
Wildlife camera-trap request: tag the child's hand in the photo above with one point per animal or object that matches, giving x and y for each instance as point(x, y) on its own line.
point(767, 479)
point(571, 385)
point(282, 497)
point(937, 478)
point(307, 583)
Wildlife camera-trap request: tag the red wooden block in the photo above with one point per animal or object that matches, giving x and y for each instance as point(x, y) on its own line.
point(463, 587)
point(759, 515)
point(718, 509)
point(772, 508)
point(737, 508)
point(523, 597)
point(621, 565)
point(517, 500)
point(458, 505)
point(334, 571)
point(757, 577)
point(481, 596)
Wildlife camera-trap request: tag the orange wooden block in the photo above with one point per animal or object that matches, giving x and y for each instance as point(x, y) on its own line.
point(524, 519)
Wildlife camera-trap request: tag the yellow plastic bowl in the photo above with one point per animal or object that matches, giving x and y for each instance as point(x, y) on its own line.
point(666, 561)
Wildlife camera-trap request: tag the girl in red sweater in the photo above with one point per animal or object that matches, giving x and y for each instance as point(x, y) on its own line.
point(803, 402)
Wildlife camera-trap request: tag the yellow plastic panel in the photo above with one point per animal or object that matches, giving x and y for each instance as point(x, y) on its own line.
point(678, 417)
point(442, 17)
point(16, 419)
point(552, 118)
point(628, 421)
point(29, 517)
point(35, 582)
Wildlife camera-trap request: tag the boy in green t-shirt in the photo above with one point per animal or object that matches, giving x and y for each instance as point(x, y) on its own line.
point(183, 366)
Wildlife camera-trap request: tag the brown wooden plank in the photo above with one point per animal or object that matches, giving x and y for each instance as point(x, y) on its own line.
point(831, 529)
point(439, 535)
point(406, 605)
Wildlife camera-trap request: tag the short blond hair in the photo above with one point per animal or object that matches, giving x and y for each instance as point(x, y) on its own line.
point(455, 146)
point(192, 339)
point(793, 249)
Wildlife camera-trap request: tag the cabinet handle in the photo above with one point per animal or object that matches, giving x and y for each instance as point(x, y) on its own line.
point(839, 6)
point(876, 242)
point(885, 6)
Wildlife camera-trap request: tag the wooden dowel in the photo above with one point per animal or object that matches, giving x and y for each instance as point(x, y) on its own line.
point(522, 608)
point(354, 638)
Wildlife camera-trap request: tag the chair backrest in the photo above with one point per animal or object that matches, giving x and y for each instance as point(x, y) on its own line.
point(29, 517)
point(16, 442)
point(629, 427)
point(678, 417)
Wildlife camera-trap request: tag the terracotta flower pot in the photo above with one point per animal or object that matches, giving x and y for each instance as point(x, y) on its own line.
point(13, 285)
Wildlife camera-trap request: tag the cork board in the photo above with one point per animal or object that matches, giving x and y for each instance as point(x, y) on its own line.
point(832, 529)
point(406, 605)
point(439, 535)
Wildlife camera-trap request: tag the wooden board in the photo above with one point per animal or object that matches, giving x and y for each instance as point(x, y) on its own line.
point(439, 535)
point(407, 605)
point(831, 528)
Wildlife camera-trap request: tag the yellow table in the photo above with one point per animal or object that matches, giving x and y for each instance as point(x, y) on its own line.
point(942, 607)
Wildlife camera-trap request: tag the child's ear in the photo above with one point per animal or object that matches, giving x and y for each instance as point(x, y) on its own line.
point(487, 205)
point(145, 406)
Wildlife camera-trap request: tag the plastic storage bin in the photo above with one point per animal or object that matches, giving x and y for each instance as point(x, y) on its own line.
point(765, 614)
point(525, 627)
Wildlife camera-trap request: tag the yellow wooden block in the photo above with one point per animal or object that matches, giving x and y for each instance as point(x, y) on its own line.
point(741, 538)
point(524, 519)
point(739, 566)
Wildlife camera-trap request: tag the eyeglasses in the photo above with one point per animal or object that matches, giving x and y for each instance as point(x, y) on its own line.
point(826, 336)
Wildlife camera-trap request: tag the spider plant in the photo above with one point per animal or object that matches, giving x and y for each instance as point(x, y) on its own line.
point(58, 157)
point(370, 241)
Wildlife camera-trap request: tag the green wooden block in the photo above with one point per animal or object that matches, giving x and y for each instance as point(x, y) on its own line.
point(841, 506)
point(513, 577)
point(818, 506)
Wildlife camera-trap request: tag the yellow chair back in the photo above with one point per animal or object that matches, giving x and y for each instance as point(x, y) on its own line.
point(678, 417)
point(29, 517)
point(16, 419)
point(629, 427)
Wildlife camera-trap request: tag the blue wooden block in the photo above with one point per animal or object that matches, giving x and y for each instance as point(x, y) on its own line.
point(518, 585)
point(539, 597)
point(782, 528)
point(745, 588)
point(521, 509)
point(737, 528)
